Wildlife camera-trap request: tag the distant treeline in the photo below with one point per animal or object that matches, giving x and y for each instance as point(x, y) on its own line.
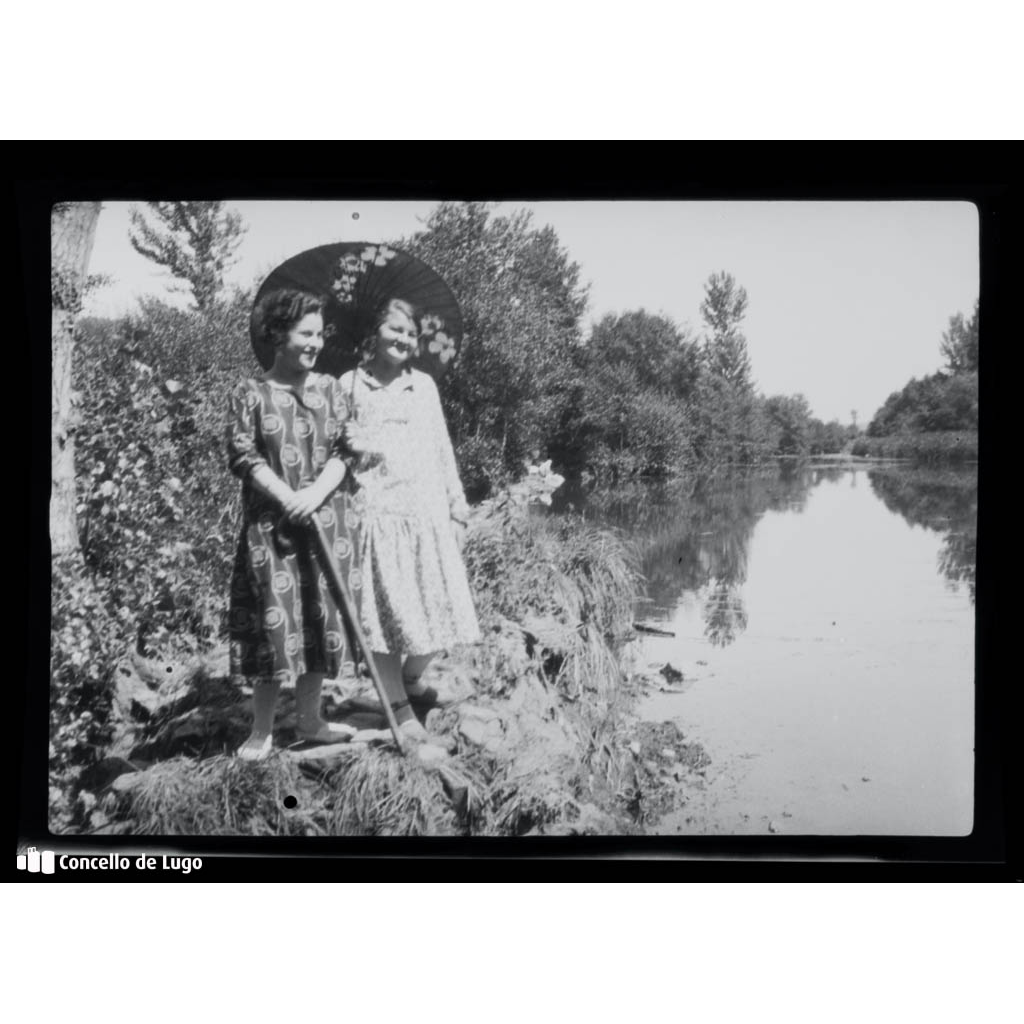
point(640, 396)
point(934, 419)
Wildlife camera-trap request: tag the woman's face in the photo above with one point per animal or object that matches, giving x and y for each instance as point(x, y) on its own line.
point(397, 338)
point(302, 344)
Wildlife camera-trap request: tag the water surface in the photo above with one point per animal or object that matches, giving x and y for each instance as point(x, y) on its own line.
point(833, 612)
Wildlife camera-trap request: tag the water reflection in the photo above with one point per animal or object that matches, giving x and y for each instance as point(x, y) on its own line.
point(694, 536)
point(943, 500)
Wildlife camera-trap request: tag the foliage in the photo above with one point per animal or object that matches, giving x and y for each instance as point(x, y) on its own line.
point(730, 425)
point(521, 564)
point(661, 355)
point(790, 416)
point(937, 447)
point(960, 343)
point(935, 418)
point(944, 500)
point(725, 348)
point(521, 302)
point(620, 427)
point(939, 402)
point(85, 644)
point(195, 241)
point(156, 506)
point(829, 438)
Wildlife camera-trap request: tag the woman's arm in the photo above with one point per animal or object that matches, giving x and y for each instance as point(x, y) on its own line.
point(245, 459)
point(308, 499)
point(457, 506)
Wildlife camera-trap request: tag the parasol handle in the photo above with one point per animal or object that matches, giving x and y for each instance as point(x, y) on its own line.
point(344, 601)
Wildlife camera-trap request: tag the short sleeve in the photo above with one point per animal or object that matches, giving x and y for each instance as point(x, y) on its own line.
point(243, 451)
point(341, 403)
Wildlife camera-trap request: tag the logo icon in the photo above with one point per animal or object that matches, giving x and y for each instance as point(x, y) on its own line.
point(34, 861)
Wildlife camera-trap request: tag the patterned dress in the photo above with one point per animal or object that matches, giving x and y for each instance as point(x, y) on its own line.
point(415, 596)
point(282, 620)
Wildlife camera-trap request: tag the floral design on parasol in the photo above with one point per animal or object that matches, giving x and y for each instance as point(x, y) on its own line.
point(354, 279)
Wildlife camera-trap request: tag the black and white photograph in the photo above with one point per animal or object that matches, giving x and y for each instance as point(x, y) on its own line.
point(556, 518)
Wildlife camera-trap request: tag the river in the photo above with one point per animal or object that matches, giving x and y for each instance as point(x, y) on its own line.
point(823, 618)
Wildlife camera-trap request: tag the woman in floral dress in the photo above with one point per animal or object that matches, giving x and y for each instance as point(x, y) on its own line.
point(415, 597)
point(284, 442)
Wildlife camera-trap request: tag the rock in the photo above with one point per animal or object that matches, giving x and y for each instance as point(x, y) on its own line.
point(319, 754)
point(671, 673)
point(105, 772)
point(482, 733)
point(634, 748)
point(217, 663)
point(773, 826)
point(428, 754)
point(125, 783)
point(457, 789)
point(372, 736)
point(478, 712)
point(668, 753)
point(651, 767)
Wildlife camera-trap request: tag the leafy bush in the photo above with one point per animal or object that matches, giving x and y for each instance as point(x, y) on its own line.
point(156, 510)
point(938, 403)
point(156, 505)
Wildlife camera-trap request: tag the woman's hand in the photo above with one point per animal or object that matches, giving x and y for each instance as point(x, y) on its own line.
point(301, 505)
point(358, 438)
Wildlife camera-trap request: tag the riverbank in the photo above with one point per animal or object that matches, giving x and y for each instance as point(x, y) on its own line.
point(822, 620)
point(540, 738)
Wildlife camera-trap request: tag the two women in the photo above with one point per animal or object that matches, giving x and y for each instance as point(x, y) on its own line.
point(293, 437)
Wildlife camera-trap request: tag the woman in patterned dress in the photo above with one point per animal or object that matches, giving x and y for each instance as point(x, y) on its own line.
point(414, 596)
point(283, 439)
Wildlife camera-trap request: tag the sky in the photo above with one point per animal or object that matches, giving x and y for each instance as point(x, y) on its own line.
point(846, 300)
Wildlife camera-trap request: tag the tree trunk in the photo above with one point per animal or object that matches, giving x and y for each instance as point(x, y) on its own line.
point(72, 232)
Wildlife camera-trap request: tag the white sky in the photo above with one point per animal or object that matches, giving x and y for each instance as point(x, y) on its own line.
point(847, 301)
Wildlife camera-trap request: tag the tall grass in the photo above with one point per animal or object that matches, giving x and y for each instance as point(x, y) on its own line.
point(221, 796)
point(930, 448)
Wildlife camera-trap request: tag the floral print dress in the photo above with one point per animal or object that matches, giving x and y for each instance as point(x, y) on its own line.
point(282, 620)
point(415, 595)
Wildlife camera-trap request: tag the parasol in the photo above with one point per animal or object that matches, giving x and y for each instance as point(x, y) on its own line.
point(354, 278)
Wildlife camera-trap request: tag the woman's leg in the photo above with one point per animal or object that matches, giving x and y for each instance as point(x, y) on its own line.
point(412, 669)
point(389, 667)
point(310, 724)
point(264, 704)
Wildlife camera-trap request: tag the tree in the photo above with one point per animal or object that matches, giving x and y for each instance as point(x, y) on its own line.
point(725, 348)
point(960, 343)
point(663, 357)
point(196, 242)
point(790, 416)
point(521, 301)
point(72, 232)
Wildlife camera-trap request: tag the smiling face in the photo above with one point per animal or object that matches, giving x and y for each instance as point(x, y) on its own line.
point(302, 345)
point(397, 338)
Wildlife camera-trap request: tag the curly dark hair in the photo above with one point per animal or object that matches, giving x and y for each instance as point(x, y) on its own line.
point(279, 311)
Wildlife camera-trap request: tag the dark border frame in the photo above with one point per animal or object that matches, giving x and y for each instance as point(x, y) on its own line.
point(804, 172)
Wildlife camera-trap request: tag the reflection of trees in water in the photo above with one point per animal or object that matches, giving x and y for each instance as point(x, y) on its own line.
point(694, 536)
point(944, 500)
point(725, 615)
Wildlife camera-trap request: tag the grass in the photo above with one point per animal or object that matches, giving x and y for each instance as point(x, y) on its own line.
point(219, 796)
point(937, 447)
point(552, 596)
